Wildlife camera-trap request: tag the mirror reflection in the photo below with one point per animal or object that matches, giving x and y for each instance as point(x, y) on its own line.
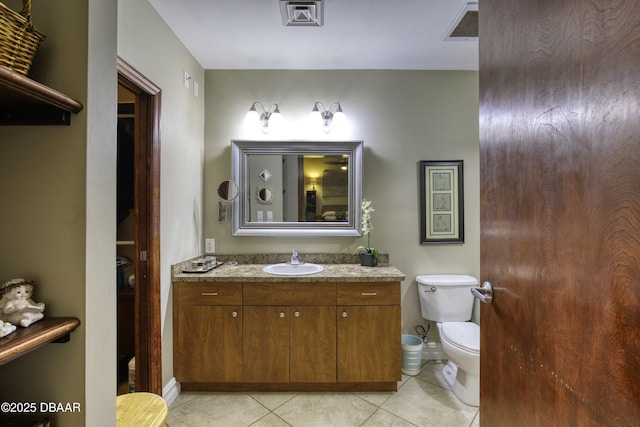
point(301, 187)
point(264, 195)
point(310, 186)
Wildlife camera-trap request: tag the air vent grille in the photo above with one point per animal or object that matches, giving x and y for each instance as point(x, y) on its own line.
point(301, 13)
point(465, 26)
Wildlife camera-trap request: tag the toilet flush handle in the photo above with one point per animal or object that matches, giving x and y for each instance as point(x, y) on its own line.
point(484, 294)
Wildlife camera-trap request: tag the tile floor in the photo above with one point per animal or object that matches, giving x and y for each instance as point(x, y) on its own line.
point(423, 400)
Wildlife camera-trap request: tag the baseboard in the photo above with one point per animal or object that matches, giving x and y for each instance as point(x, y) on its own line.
point(171, 391)
point(296, 387)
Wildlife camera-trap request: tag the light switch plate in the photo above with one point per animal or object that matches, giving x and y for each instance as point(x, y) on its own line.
point(209, 246)
point(185, 79)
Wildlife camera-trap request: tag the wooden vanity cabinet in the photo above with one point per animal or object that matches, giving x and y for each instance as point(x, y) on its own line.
point(207, 336)
point(266, 344)
point(287, 336)
point(289, 332)
point(368, 332)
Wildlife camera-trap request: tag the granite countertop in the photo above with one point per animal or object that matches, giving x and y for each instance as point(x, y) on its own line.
point(331, 273)
point(230, 271)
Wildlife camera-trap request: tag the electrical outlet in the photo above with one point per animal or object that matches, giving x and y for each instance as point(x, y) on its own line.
point(209, 246)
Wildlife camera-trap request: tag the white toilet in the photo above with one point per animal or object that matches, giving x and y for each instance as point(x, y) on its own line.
point(447, 300)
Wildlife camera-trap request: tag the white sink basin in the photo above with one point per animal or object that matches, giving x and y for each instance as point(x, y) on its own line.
point(293, 269)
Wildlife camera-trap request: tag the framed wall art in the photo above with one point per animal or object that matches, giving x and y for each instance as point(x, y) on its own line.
point(441, 202)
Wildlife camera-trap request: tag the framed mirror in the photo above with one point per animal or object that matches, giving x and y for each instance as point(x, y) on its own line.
point(297, 188)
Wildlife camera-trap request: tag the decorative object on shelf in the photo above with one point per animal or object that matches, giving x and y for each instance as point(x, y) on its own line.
point(16, 305)
point(19, 38)
point(6, 328)
point(368, 255)
point(441, 202)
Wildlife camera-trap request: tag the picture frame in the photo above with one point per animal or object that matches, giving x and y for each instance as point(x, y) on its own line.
point(441, 201)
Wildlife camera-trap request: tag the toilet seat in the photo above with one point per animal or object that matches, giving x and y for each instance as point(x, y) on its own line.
point(463, 335)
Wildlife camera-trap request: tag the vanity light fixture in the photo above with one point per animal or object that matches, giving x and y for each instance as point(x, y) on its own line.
point(262, 118)
point(328, 118)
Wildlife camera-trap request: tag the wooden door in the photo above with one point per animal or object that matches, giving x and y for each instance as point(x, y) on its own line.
point(313, 344)
point(148, 327)
point(560, 212)
point(209, 344)
point(266, 344)
point(369, 343)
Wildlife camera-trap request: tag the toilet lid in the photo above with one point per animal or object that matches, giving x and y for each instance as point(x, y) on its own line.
point(465, 335)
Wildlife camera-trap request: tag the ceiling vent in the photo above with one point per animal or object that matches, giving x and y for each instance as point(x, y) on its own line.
point(465, 26)
point(301, 13)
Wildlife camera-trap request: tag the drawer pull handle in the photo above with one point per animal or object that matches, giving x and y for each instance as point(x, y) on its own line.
point(234, 314)
point(344, 314)
point(281, 314)
point(209, 294)
point(368, 294)
point(297, 314)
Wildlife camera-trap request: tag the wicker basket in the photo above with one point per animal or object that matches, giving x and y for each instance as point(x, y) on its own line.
point(19, 39)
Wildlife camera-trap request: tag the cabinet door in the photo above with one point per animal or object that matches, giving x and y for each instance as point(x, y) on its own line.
point(208, 344)
point(313, 344)
point(266, 344)
point(369, 344)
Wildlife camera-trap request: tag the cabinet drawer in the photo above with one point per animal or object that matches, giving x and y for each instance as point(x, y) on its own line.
point(369, 293)
point(209, 293)
point(302, 293)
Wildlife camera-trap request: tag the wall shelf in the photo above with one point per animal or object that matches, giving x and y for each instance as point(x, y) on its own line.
point(26, 102)
point(24, 340)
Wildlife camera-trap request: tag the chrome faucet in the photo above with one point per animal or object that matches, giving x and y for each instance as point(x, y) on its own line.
point(294, 258)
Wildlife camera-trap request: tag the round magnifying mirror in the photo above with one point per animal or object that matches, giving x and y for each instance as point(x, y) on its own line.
point(264, 195)
point(228, 190)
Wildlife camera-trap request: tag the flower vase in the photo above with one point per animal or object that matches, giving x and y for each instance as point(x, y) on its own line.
point(367, 259)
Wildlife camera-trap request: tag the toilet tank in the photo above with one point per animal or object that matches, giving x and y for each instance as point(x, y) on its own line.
point(446, 297)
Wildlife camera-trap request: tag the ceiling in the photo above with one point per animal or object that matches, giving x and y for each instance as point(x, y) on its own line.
point(356, 34)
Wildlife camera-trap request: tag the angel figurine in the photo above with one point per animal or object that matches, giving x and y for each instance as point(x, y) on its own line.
point(16, 305)
point(6, 328)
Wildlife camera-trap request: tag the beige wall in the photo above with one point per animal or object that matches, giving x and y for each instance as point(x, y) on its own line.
point(145, 42)
point(100, 215)
point(402, 117)
point(56, 181)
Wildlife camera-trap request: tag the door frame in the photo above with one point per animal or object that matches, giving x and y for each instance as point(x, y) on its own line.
point(148, 334)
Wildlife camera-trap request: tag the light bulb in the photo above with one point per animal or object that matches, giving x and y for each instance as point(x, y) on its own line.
point(275, 121)
point(315, 117)
point(252, 119)
point(339, 122)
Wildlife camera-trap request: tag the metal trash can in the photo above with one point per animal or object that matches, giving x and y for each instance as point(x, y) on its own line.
point(411, 354)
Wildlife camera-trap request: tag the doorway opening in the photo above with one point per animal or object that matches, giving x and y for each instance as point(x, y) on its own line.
point(139, 324)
